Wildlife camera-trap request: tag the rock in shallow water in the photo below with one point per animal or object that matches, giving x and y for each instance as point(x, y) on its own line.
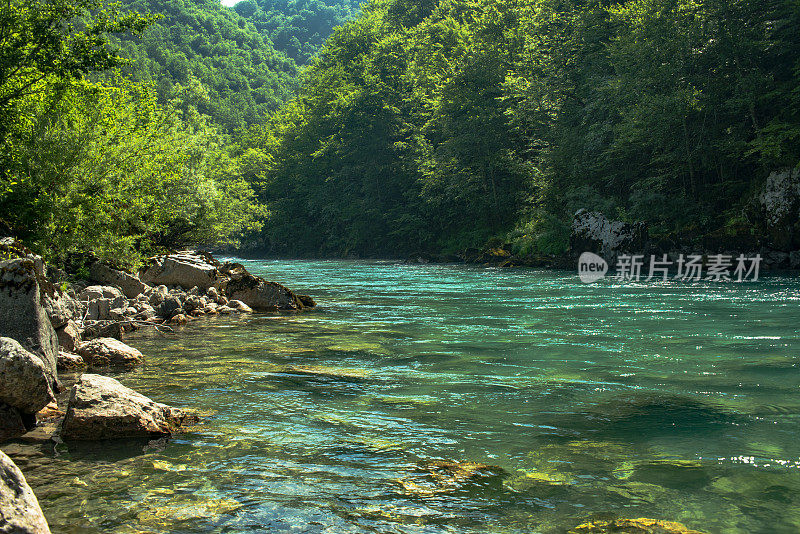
point(24, 382)
point(70, 362)
point(110, 352)
point(19, 510)
point(22, 316)
point(102, 408)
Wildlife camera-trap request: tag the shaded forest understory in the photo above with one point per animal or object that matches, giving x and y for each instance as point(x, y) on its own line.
point(416, 127)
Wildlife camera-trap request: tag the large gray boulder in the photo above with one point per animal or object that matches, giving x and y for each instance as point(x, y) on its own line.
point(130, 285)
point(109, 352)
point(24, 381)
point(256, 292)
point(185, 269)
point(20, 512)
point(22, 316)
point(594, 232)
point(102, 408)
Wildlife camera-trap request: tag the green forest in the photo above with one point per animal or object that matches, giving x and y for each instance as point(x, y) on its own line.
point(325, 128)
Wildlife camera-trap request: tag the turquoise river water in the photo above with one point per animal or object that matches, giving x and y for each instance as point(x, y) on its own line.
point(672, 401)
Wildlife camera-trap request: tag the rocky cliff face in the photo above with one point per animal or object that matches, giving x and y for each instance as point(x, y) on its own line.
point(779, 209)
point(594, 232)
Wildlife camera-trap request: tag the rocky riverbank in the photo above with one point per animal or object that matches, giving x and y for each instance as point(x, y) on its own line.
point(52, 321)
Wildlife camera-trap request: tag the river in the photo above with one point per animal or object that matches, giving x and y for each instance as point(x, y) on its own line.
point(674, 401)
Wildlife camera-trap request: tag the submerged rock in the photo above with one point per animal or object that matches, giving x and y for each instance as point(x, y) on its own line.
point(641, 525)
point(20, 512)
point(678, 474)
point(109, 352)
point(102, 408)
point(438, 477)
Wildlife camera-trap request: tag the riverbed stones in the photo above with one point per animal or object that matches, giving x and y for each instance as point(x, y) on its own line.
point(20, 512)
point(185, 269)
point(24, 382)
point(102, 408)
point(435, 477)
point(640, 525)
point(22, 316)
point(109, 352)
point(61, 307)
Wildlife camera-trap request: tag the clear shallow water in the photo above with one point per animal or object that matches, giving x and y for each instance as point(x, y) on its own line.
point(671, 401)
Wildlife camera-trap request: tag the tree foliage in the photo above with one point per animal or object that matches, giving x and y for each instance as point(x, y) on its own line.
point(443, 125)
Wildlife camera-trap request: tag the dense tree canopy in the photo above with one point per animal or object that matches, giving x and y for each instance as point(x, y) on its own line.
point(445, 125)
point(298, 28)
point(105, 167)
point(203, 43)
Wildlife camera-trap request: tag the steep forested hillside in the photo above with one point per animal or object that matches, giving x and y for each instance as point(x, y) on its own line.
point(234, 73)
point(430, 125)
point(298, 27)
point(105, 166)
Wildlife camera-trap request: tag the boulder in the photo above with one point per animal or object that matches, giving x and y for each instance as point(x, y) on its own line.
point(307, 301)
point(96, 329)
point(24, 382)
point(102, 408)
point(101, 292)
point(179, 320)
point(70, 362)
point(257, 292)
point(171, 305)
point(12, 424)
point(19, 510)
point(109, 352)
point(186, 269)
point(593, 232)
point(130, 285)
point(22, 316)
point(239, 306)
point(60, 307)
point(69, 336)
